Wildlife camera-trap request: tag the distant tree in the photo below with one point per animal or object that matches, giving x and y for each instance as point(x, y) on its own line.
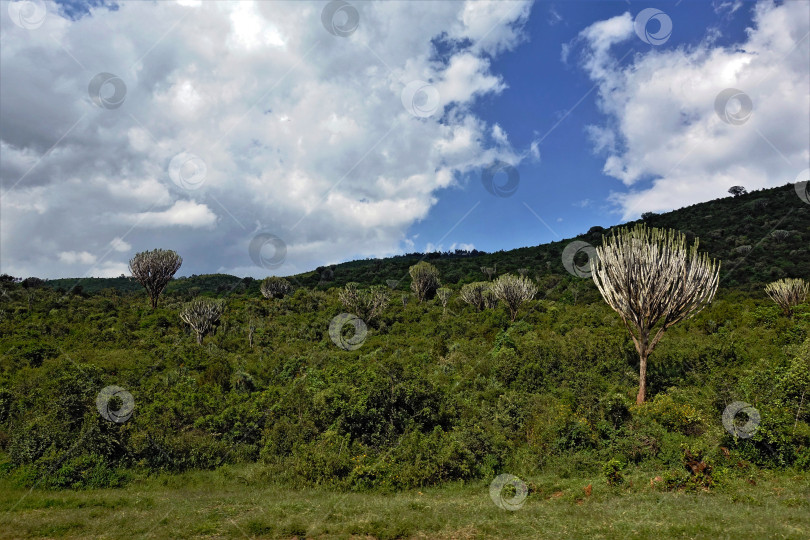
point(788, 293)
point(473, 294)
point(201, 314)
point(275, 287)
point(513, 291)
point(523, 272)
point(737, 191)
point(154, 269)
point(648, 215)
point(490, 271)
point(30, 284)
point(443, 294)
point(653, 281)
point(424, 280)
point(368, 304)
point(780, 235)
point(5, 278)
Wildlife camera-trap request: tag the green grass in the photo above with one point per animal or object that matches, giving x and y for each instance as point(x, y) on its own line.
point(241, 502)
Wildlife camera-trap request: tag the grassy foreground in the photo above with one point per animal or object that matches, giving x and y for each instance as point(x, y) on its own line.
point(240, 502)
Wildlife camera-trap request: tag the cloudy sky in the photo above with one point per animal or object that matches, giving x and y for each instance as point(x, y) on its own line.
point(272, 137)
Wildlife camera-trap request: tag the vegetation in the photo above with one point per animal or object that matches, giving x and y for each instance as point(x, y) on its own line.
point(275, 287)
point(154, 269)
point(202, 314)
point(513, 291)
point(447, 396)
point(649, 277)
point(424, 280)
point(788, 293)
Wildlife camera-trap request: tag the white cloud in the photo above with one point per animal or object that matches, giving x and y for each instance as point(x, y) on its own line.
point(662, 126)
point(74, 257)
point(182, 213)
point(302, 133)
point(119, 245)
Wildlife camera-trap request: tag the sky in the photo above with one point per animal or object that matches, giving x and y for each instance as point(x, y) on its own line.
point(269, 138)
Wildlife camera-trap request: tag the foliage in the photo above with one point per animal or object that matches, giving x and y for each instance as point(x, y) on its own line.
point(424, 280)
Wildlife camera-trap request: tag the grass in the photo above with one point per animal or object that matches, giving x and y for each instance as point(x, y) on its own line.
point(241, 502)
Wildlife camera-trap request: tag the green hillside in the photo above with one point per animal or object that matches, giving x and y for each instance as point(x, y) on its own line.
point(724, 226)
point(431, 395)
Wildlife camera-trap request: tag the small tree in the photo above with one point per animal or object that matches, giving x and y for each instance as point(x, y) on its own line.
point(737, 191)
point(490, 271)
point(154, 269)
point(473, 294)
point(788, 293)
point(368, 304)
point(653, 281)
point(424, 280)
point(443, 294)
point(275, 287)
point(30, 284)
point(201, 314)
point(513, 291)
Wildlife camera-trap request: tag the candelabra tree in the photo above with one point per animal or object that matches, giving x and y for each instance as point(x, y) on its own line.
point(653, 281)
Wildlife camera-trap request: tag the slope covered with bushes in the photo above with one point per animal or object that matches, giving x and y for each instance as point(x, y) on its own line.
point(431, 394)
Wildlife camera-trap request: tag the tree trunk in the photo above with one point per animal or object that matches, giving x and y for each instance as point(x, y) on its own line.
point(199, 338)
point(642, 378)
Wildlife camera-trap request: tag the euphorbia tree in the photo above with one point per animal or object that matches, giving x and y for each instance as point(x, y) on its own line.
point(154, 269)
point(653, 281)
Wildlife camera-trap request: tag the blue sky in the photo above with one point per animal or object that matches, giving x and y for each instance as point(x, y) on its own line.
point(567, 188)
point(328, 131)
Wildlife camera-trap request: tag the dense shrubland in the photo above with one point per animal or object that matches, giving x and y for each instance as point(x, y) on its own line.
point(431, 395)
point(442, 389)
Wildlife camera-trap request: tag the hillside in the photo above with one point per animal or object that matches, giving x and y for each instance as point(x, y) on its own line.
point(430, 394)
point(724, 226)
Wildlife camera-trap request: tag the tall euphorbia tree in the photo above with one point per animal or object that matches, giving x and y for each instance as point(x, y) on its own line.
point(653, 280)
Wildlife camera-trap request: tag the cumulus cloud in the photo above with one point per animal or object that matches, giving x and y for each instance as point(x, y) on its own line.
point(302, 133)
point(663, 138)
